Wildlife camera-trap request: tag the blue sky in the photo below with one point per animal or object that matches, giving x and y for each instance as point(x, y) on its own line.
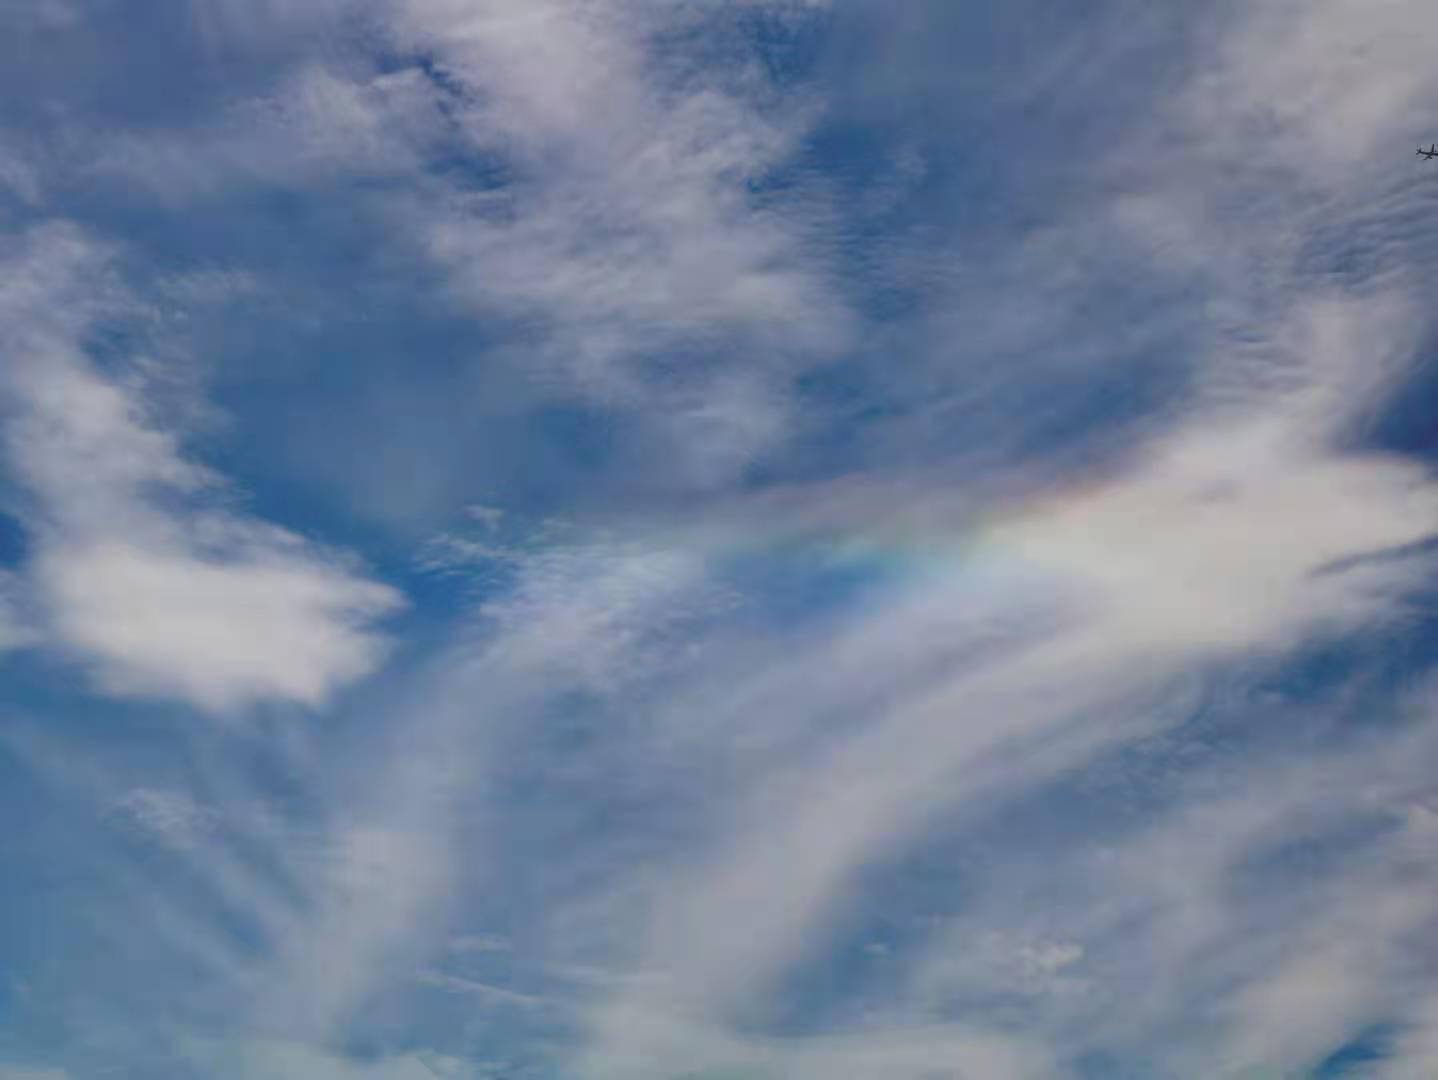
point(649, 539)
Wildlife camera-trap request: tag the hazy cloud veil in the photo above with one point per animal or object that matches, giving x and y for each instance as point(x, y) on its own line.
point(641, 540)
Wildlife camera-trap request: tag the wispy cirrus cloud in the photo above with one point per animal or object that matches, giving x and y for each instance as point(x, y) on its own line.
point(623, 219)
point(294, 1061)
point(1267, 428)
point(630, 233)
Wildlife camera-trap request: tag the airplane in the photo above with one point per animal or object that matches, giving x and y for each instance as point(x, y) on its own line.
point(1431, 152)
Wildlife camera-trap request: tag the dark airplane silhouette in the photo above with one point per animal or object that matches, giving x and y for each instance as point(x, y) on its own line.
point(1431, 152)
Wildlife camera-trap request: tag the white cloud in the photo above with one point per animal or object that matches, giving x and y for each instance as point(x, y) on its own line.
point(1213, 544)
point(1249, 526)
point(1243, 966)
point(16, 626)
point(1233, 537)
point(159, 598)
point(41, 15)
point(480, 943)
point(657, 1048)
point(226, 24)
point(170, 815)
point(625, 233)
point(317, 126)
point(1336, 81)
point(281, 1060)
point(603, 617)
point(1415, 1055)
point(18, 176)
point(485, 992)
point(219, 631)
point(370, 904)
point(628, 230)
point(968, 963)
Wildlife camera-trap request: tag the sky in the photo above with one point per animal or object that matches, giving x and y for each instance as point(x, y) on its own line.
point(697, 540)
